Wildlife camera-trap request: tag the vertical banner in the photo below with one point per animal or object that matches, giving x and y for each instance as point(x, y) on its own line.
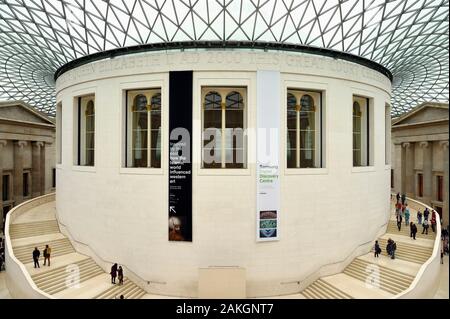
point(267, 156)
point(180, 156)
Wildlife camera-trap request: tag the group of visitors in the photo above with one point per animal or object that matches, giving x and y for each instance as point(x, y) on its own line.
point(37, 253)
point(116, 271)
point(401, 211)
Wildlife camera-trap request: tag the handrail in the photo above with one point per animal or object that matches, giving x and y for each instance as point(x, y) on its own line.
point(434, 255)
point(10, 259)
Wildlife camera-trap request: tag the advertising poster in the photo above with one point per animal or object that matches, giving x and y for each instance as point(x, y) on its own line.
point(267, 160)
point(180, 156)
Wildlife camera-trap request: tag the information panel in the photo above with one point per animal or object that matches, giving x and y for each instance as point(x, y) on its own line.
point(180, 156)
point(267, 160)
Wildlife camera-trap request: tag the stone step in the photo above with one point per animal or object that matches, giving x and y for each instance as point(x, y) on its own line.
point(323, 290)
point(59, 247)
point(129, 289)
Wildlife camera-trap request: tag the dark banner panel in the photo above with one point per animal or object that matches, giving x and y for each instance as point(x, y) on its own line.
point(180, 156)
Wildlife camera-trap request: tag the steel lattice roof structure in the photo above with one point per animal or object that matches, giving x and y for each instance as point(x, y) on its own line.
point(409, 37)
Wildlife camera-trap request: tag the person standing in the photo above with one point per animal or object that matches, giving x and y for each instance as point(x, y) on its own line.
point(403, 198)
point(425, 226)
point(413, 230)
point(398, 208)
point(113, 273)
point(407, 214)
point(377, 249)
point(419, 217)
point(393, 249)
point(398, 197)
point(36, 255)
point(399, 222)
point(389, 247)
point(120, 275)
point(47, 253)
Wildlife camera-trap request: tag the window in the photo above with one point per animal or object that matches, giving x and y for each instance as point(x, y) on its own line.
point(54, 177)
point(420, 185)
point(26, 184)
point(59, 132)
point(304, 129)
point(223, 127)
point(143, 126)
point(392, 178)
point(5, 188)
point(440, 188)
point(361, 129)
point(387, 134)
point(86, 131)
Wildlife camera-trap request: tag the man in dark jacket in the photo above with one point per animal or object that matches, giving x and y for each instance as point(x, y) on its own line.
point(403, 199)
point(36, 254)
point(413, 230)
point(393, 249)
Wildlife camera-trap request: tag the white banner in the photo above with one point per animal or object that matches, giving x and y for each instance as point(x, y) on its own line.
point(267, 158)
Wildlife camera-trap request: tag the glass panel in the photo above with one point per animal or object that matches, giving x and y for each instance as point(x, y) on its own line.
point(212, 153)
point(90, 157)
point(307, 103)
point(307, 158)
point(234, 100)
point(156, 119)
point(156, 101)
point(90, 140)
point(139, 148)
point(356, 158)
point(213, 100)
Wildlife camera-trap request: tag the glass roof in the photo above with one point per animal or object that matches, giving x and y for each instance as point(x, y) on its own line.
point(409, 37)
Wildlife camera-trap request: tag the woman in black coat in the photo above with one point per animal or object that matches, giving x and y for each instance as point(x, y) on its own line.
point(113, 273)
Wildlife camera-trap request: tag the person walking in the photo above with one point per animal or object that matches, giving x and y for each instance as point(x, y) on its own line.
point(47, 253)
point(120, 275)
point(399, 222)
point(403, 198)
point(426, 214)
point(407, 214)
point(419, 217)
point(425, 226)
point(113, 273)
point(393, 249)
point(389, 247)
point(377, 249)
point(36, 254)
point(398, 197)
point(413, 230)
point(398, 208)
point(433, 223)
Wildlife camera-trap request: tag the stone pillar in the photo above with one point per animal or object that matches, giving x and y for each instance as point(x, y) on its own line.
point(427, 150)
point(409, 170)
point(398, 168)
point(2, 145)
point(18, 171)
point(445, 217)
point(36, 168)
point(43, 172)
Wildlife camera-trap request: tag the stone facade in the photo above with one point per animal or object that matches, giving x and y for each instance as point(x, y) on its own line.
point(27, 155)
point(420, 156)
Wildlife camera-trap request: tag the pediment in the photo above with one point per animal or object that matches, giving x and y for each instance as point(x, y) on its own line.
point(424, 114)
point(19, 111)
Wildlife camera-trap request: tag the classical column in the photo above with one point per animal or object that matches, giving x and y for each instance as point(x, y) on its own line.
point(43, 173)
point(427, 150)
point(2, 145)
point(408, 169)
point(18, 171)
point(36, 168)
point(398, 168)
point(445, 217)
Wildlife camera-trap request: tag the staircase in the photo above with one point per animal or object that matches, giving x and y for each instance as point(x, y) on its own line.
point(58, 279)
point(409, 252)
point(320, 289)
point(33, 229)
point(404, 231)
point(59, 247)
point(387, 279)
point(71, 274)
point(359, 279)
point(129, 290)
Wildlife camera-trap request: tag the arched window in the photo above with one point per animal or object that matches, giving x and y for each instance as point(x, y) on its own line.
point(357, 158)
point(302, 135)
point(86, 131)
point(223, 128)
point(234, 130)
point(291, 146)
point(90, 134)
point(144, 128)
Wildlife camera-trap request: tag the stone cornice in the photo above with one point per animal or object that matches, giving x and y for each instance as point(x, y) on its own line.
point(26, 123)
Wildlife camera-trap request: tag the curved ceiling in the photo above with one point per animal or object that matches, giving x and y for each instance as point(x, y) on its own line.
point(409, 37)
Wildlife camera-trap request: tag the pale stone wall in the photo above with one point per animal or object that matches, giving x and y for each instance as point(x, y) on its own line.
point(121, 213)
